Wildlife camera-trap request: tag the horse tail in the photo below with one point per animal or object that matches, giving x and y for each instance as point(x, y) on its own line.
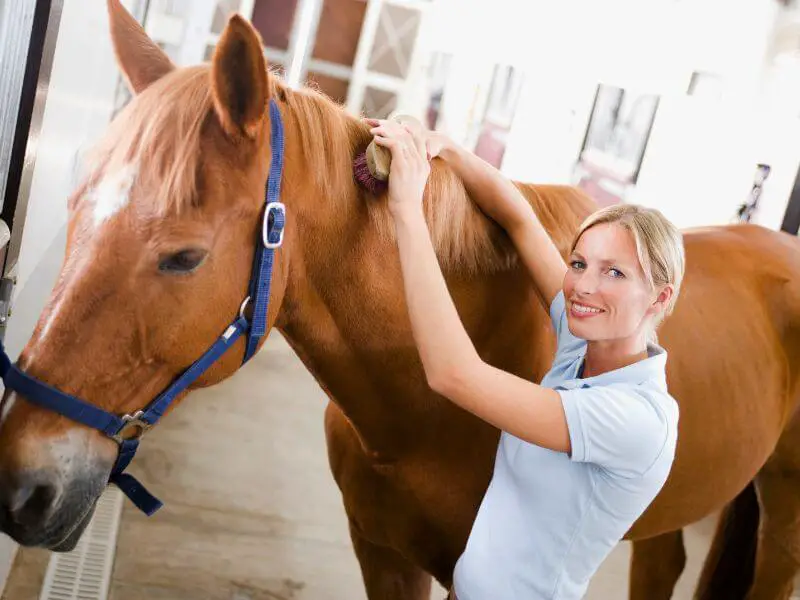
point(730, 565)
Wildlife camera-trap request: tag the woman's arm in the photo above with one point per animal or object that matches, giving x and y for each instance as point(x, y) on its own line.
point(452, 365)
point(500, 199)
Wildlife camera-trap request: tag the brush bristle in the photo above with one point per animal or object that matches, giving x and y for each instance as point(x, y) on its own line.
point(365, 179)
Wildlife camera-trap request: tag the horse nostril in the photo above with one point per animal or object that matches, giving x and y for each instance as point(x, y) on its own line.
point(33, 500)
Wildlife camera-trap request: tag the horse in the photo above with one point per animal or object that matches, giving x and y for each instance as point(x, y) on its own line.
point(160, 245)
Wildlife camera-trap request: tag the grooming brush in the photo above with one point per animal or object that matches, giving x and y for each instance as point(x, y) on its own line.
point(371, 167)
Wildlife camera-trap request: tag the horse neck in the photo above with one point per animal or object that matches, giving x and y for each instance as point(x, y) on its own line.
point(344, 311)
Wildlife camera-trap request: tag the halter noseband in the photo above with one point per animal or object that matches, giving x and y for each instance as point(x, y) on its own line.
point(127, 430)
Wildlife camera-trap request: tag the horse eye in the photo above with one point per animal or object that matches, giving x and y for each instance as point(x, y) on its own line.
point(184, 261)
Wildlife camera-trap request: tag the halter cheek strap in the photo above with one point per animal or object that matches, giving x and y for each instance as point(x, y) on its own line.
point(271, 237)
point(128, 430)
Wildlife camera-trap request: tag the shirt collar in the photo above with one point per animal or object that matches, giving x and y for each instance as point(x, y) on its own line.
point(650, 369)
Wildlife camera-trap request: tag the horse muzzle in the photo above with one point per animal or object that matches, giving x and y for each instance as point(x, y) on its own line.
point(40, 508)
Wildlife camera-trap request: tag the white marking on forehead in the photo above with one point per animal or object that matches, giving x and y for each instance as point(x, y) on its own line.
point(112, 194)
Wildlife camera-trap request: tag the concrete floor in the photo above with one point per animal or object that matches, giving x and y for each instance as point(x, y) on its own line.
point(251, 510)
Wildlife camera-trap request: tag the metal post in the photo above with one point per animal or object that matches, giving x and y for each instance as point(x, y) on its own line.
point(32, 93)
point(358, 80)
point(304, 33)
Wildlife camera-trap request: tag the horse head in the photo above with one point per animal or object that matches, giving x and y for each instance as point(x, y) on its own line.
point(160, 247)
point(164, 236)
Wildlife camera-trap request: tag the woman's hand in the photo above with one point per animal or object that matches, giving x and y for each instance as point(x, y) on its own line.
point(410, 168)
point(436, 143)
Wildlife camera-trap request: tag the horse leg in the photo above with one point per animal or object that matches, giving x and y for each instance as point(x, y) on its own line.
point(369, 499)
point(656, 565)
point(778, 554)
point(388, 575)
point(729, 567)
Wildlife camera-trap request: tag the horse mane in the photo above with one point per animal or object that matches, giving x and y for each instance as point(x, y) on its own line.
point(328, 140)
point(160, 133)
point(465, 240)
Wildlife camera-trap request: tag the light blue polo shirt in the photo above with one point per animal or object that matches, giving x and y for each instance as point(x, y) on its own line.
point(548, 520)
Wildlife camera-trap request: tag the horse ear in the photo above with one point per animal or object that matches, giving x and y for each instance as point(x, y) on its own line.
point(239, 79)
point(142, 62)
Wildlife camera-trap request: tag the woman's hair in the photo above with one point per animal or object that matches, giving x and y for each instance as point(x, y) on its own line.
point(659, 244)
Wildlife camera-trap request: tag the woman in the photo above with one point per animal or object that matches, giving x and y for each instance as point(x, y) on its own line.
point(582, 455)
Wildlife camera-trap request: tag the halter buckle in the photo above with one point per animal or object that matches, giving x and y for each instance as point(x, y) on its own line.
point(273, 207)
point(133, 428)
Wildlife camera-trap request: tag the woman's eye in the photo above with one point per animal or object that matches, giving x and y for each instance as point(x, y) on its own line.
point(184, 261)
point(577, 264)
point(616, 273)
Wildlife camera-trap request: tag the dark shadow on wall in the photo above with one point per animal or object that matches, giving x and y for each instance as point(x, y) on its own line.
point(791, 218)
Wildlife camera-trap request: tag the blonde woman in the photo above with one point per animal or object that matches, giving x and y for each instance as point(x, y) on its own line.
point(582, 454)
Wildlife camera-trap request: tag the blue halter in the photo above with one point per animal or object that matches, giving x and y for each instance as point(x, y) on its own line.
point(129, 429)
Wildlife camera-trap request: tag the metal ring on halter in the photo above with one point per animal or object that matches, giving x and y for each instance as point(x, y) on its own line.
point(133, 429)
point(243, 307)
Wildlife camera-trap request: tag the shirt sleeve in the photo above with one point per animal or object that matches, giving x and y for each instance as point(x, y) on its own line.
point(616, 428)
point(566, 342)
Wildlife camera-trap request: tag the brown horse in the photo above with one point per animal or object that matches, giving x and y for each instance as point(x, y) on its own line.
point(179, 180)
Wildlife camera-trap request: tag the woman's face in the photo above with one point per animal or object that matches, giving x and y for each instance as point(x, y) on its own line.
point(608, 297)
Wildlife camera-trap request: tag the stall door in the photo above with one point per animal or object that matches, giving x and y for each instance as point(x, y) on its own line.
point(361, 53)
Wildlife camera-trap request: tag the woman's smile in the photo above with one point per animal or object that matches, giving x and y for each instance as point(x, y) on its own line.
point(584, 311)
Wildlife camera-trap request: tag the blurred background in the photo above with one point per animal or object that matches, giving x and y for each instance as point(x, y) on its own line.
point(689, 106)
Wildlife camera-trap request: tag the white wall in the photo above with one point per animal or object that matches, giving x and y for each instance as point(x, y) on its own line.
point(79, 104)
point(702, 153)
